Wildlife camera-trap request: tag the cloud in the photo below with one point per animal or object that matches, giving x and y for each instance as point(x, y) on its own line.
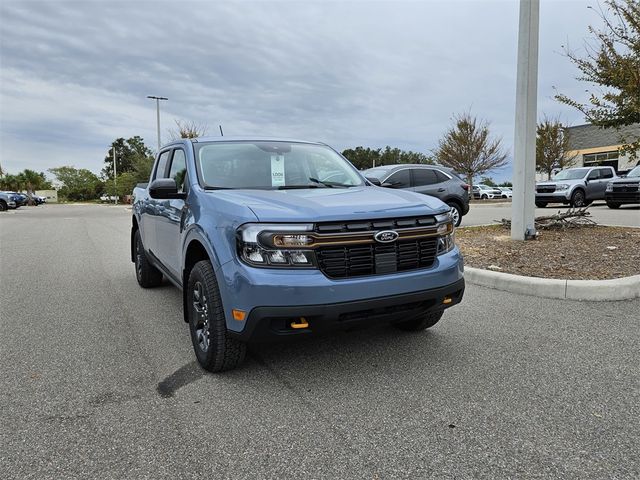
point(75, 74)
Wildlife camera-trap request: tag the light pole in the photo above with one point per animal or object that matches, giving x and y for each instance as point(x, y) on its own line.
point(157, 99)
point(524, 161)
point(115, 182)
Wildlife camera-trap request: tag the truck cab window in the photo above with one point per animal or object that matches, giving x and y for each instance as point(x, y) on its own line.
point(178, 168)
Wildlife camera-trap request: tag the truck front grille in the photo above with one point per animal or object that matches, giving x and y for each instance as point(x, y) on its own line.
point(372, 259)
point(546, 189)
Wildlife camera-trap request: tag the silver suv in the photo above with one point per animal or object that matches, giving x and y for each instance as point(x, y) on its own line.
point(577, 187)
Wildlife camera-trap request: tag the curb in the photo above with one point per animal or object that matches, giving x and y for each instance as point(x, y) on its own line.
point(594, 290)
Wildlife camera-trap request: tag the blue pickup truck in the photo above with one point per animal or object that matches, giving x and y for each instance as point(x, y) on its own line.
point(277, 239)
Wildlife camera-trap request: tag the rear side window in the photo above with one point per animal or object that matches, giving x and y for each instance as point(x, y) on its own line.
point(441, 176)
point(606, 173)
point(161, 170)
point(424, 176)
point(178, 168)
point(401, 179)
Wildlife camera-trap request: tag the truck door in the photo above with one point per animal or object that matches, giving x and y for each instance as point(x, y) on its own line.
point(593, 184)
point(151, 208)
point(170, 219)
point(606, 175)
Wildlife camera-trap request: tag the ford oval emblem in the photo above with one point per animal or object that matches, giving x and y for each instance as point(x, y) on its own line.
point(386, 236)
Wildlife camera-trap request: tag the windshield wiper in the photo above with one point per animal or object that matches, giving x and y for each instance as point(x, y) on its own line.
point(294, 187)
point(209, 187)
point(329, 184)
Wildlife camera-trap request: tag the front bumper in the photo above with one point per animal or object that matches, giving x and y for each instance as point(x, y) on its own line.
point(259, 291)
point(623, 197)
point(274, 323)
point(563, 196)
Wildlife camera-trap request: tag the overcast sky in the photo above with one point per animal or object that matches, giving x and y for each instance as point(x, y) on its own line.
point(74, 75)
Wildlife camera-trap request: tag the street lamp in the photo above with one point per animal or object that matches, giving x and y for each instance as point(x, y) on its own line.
point(157, 99)
point(115, 182)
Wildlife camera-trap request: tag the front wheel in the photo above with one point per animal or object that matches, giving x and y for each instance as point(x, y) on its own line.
point(213, 347)
point(578, 199)
point(3, 206)
point(484, 197)
point(613, 205)
point(456, 214)
point(421, 323)
point(541, 204)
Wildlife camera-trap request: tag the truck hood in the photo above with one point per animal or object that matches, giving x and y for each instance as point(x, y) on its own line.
point(556, 182)
point(328, 204)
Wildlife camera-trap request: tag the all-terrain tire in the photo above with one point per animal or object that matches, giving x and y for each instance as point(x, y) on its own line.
point(541, 204)
point(215, 350)
point(613, 205)
point(147, 275)
point(421, 323)
point(578, 199)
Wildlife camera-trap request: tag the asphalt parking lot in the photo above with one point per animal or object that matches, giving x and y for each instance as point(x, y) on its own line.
point(482, 213)
point(99, 380)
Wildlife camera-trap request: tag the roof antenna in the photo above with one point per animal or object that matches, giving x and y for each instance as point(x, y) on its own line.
point(221, 134)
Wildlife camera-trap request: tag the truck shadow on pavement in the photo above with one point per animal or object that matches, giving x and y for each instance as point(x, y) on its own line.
point(183, 376)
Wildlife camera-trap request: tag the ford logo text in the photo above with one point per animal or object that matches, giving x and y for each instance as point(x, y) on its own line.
point(386, 236)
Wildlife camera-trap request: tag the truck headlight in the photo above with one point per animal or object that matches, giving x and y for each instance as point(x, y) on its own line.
point(609, 187)
point(274, 245)
point(446, 236)
point(562, 186)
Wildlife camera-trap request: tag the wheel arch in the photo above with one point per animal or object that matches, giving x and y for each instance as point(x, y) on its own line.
point(134, 229)
point(194, 253)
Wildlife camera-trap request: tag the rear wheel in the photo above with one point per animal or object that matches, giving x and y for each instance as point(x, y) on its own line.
point(613, 205)
point(147, 275)
point(420, 323)
point(541, 204)
point(456, 214)
point(213, 347)
point(3, 206)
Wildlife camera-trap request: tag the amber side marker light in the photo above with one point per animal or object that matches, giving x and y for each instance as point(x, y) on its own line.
point(238, 315)
point(447, 300)
point(300, 323)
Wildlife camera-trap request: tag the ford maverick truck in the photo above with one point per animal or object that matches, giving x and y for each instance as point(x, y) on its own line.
point(278, 239)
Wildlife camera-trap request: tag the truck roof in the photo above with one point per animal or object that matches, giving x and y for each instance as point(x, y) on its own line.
point(251, 138)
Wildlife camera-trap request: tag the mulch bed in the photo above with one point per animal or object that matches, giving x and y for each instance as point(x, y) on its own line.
point(586, 253)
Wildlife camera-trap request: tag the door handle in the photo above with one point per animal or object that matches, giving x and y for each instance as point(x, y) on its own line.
point(441, 189)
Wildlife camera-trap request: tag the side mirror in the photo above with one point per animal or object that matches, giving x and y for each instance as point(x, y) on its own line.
point(374, 181)
point(165, 189)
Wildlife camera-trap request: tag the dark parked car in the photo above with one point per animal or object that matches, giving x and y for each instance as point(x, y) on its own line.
point(624, 190)
point(434, 180)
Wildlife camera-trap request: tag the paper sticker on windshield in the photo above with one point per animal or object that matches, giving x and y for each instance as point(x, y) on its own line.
point(277, 170)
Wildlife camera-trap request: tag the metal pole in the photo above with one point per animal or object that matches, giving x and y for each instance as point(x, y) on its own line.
point(115, 182)
point(158, 120)
point(524, 162)
point(157, 99)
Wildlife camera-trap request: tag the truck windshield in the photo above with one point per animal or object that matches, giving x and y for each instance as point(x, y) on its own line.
point(571, 174)
point(634, 173)
point(272, 165)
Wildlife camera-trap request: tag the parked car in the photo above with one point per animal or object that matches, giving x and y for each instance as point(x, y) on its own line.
point(577, 187)
point(6, 201)
point(18, 199)
point(621, 191)
point(264, 247)
point(483, 192)
point(437, 181)
point(505, 192)
point(108, 198)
